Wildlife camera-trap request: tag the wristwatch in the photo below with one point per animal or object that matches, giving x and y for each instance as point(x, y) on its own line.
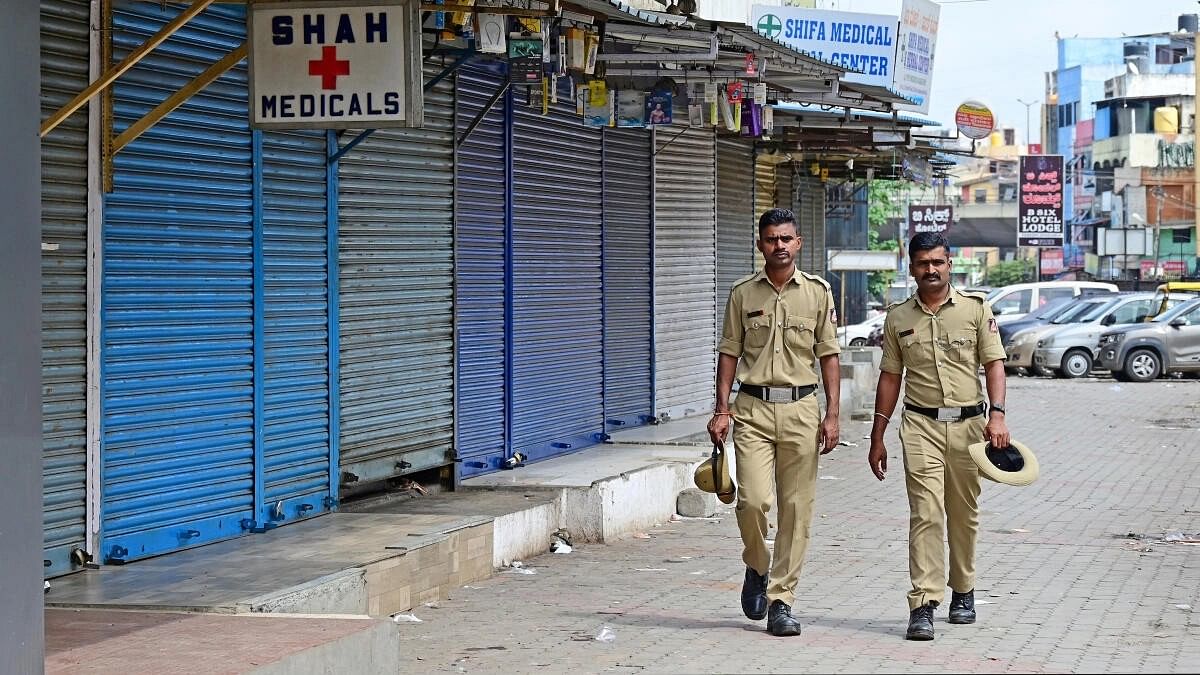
point(996, 407)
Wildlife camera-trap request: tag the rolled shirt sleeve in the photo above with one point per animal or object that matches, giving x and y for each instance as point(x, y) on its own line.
point(731, 331)
point(892, 361)
point(826, 343)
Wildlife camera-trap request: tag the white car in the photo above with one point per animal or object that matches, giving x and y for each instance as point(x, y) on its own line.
point(1014, 301)
point(855, 335)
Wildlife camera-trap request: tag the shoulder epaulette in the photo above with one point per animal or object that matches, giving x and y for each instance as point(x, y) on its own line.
point(818, 279)
point(974, 296)
point(739, 282)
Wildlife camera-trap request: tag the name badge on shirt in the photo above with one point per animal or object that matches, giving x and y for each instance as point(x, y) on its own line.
point(906, 333)
point(751, 315)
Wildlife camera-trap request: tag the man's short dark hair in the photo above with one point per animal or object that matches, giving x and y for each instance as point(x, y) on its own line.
point(776, 217)
point(927, 241)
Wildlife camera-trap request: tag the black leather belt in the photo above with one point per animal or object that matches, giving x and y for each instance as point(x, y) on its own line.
point(778, 394)
point(948, 414)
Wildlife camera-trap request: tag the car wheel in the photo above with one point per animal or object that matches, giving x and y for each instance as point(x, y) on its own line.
point(858, 342)
point(1143, 365)
point(1012, 371)
point(1040, 371)
point(1076, 363)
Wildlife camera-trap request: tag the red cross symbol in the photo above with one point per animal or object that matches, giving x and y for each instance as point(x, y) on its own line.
point(328, 67)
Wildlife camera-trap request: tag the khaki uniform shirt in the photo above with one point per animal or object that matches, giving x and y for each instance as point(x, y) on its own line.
point(778, 335)
point(941, 351)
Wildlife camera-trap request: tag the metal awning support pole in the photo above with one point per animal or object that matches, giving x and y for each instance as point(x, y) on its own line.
point(482, 113)
point(178, 98)
point(128, 62)
point(463, 57)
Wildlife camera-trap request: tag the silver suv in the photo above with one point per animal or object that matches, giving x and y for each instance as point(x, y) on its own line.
point(1168, 343)
point(1070, 350)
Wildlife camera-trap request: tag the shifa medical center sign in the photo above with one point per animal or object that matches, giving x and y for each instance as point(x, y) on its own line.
point(335, 65)
point(862, 42)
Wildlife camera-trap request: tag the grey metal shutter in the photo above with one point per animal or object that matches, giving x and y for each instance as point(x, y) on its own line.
point(178, 387)
point(557, 318)
point(481, 272)
point(64, 55)
point(685, 291)
point(810, 211)
point(735, 213)
point(396, 208)
point(628, 316)
point(295, 374)
point(764, 185)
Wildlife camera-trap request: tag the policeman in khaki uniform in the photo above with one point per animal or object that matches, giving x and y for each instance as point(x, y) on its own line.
point(936, 340)
point(778, 323)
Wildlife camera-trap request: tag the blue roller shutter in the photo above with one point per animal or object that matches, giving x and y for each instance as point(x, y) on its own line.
point(628, 318)
point(64, 55)
point(685, 305)
point(480, 264)
point(395, 248)
point(557, 317)
point(178, 464)
point(735, 213)
point(295, 406)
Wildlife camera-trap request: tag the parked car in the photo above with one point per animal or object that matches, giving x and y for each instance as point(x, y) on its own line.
point(1071, 350)
point(1041, 317)
point(1016, 300)
point(1021, 348)
point(1169, 343)
point(856, 334)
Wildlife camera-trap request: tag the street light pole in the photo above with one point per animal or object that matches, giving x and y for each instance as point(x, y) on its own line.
point(1028, 139)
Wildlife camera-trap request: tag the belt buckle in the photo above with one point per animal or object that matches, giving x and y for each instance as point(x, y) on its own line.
point(779, 394)
point(949, 414)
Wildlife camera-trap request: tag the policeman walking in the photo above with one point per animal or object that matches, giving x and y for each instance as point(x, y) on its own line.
point(936, 340)
point(778, 323)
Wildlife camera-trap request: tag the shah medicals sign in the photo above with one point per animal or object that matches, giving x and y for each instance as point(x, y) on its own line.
point(862, 42)
point(335, 65)
point(1040, 204)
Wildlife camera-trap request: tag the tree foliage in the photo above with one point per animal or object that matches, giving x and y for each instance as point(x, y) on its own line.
point(1009, 272)
point(885, 199)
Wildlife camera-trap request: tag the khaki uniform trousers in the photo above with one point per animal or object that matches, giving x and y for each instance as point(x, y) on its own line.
point(775, 446)
point(943, 489)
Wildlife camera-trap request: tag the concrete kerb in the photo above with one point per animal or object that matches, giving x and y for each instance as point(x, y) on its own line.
point(343, 592)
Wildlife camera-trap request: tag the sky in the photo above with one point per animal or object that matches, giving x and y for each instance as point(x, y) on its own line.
point(998, 51)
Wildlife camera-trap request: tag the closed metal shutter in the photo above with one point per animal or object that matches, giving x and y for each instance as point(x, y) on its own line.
point(810, 211)
point(557, 319)
point(628, 317)
point(764, 186)
point(735, 213)
point(396, 209)
point(64, 58)
point(295, 370)
point(178, 460)
point(481, 269)
point(685, 290)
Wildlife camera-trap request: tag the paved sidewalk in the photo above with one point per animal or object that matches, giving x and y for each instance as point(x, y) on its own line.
point(1073, 569)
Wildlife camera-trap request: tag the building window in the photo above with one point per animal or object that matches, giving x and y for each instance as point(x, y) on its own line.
point(981, 196)
point(1008, 192)
point(1010, 136)
point(1183, 236)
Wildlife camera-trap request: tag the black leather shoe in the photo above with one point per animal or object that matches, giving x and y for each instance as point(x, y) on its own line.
point(754, 595)
point(781, 623)
point(920, 623)
point(962, 607)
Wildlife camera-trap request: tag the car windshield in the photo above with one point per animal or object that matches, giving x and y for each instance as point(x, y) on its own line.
point(1097, 311)
point(1176, 311)
point(994, 293)
point(1054, 308)
point(1077, 312)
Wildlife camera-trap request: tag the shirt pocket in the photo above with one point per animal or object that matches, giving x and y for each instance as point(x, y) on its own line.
point(917, 349)
point(960, 346)
point(799, 331)
point(758, 330)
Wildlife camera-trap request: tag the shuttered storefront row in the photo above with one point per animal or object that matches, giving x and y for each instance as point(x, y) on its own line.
point(628, 263)
point(684, 270)
point(557, 317)
point(480, 268)
point(735, 213)
point(64, 56)
point(395, 248)
point(810, 211)
point(179, 298)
